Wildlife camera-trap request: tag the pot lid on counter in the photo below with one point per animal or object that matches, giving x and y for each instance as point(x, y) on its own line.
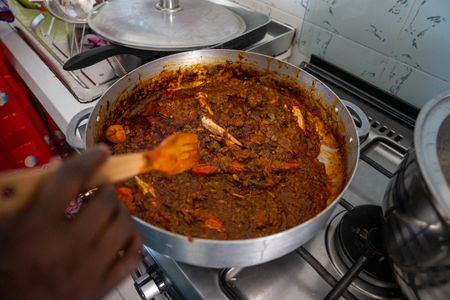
point(432, 143)
point(165, 25)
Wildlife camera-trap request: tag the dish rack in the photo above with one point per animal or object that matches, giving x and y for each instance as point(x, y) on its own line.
point(55, 41)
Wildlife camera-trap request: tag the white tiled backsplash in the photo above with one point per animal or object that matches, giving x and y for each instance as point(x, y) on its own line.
point(291, 12)
point(402, 46)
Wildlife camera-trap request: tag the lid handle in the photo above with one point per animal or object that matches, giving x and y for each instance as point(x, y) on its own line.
point(169, 5)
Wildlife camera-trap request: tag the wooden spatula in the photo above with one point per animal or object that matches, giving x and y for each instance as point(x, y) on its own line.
point(177, 153)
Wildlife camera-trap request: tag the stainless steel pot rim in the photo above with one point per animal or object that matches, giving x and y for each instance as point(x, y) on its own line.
point(212, 51)
point(225, 253)
point(329, 206)
point(426, 131)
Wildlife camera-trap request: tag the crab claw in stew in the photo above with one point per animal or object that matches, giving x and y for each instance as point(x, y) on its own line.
point(298, 114)
point(217, 130)
point(203, 100)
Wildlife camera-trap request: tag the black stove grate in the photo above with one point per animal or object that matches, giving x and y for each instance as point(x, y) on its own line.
point(359, 234)
point(360, 249)
point(370, 94)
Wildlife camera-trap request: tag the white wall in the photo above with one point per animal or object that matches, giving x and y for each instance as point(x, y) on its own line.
point(402, 46)
point(291, 12)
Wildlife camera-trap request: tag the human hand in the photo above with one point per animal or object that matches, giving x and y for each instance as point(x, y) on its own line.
point(44, 255)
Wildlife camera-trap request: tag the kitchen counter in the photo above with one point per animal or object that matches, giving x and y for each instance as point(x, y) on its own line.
point(49, 91)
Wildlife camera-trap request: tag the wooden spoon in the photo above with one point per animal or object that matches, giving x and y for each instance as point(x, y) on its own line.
point(177, 153)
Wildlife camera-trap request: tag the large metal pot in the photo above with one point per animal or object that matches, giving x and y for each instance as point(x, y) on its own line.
point(417, 208)
point(227, 253)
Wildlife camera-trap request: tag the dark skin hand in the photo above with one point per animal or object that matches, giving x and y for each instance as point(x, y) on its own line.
point(45, 255)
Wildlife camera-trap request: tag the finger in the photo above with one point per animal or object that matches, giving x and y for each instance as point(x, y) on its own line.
point(102, 250)
point(70, 179)
point(97, 215)
point(124, 264)
point(114, 237)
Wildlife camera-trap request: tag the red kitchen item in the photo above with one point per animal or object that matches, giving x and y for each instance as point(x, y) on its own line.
point(52, 135)
point(22, 97)
point(24, 134)
point(22, 142)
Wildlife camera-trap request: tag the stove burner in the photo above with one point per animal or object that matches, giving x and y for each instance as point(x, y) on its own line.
point(360, 119)
point(359, 234)
point(356, 234)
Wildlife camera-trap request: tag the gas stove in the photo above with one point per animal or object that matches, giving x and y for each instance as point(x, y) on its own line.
point(348, 251)
point(345, 259)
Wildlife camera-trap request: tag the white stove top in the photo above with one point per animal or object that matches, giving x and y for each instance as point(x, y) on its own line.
point(289, 277)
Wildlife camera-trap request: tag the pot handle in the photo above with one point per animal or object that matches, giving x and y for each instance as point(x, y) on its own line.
point(359, 119)
point(95, 55)
point(73, 128)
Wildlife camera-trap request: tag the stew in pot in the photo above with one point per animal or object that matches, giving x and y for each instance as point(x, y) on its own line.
point(269, 159)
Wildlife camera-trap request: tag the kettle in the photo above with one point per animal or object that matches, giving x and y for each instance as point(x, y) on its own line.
point(416, 208)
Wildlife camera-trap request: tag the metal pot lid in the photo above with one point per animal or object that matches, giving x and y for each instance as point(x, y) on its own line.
point(165, 25)
point(432, 144)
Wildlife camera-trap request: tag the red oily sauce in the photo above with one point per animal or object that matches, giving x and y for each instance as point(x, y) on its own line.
point(259, 171)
